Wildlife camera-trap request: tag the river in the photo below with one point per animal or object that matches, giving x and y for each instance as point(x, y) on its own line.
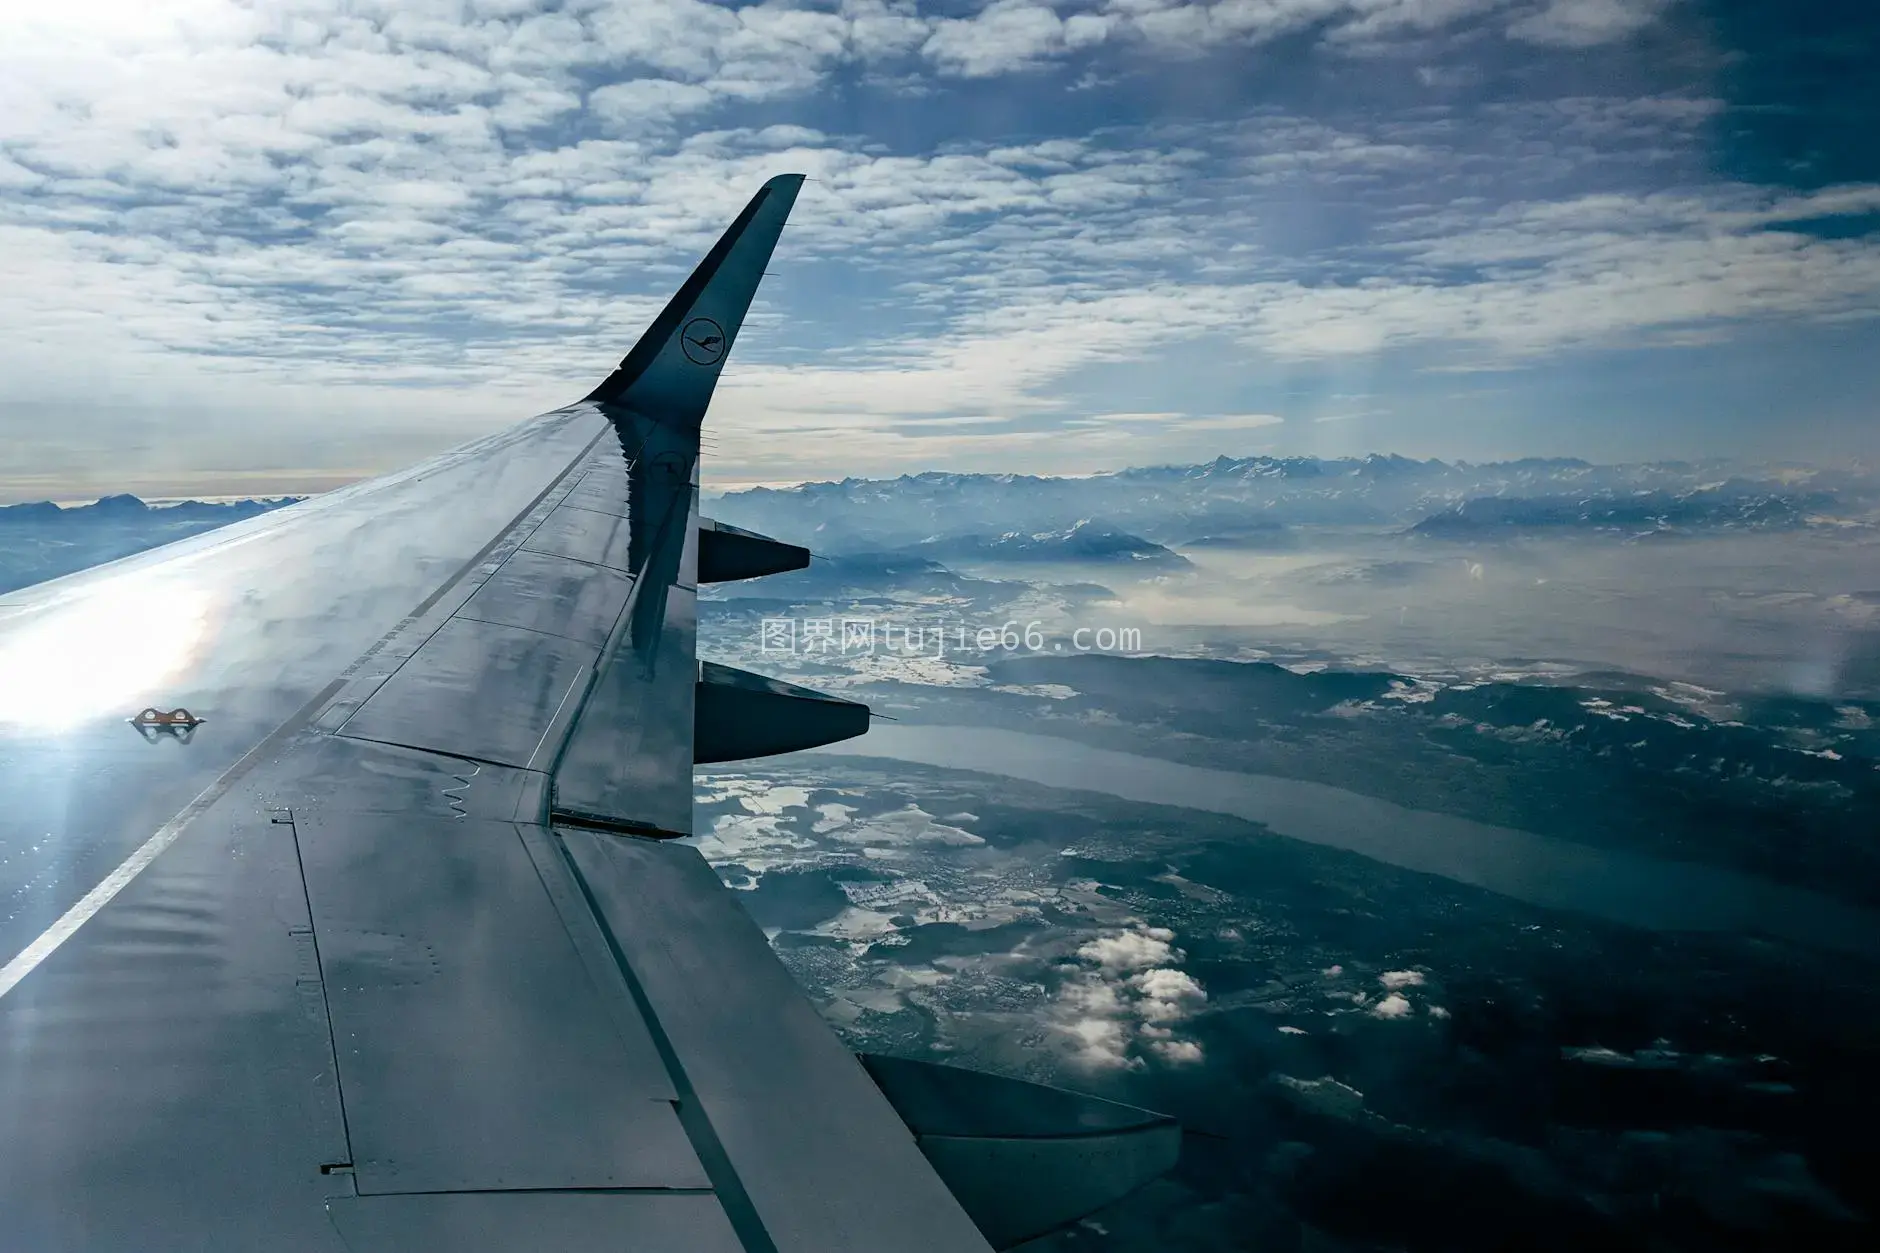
point(1629, 888)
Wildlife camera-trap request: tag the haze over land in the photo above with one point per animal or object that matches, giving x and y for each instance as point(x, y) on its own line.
point(1467, 832)
point(1721, 575)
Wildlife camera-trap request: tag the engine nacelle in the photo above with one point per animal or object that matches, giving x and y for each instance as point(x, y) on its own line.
point(738, 715)
point(727, 552)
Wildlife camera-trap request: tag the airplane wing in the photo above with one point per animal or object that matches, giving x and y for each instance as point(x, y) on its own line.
point(342, 904)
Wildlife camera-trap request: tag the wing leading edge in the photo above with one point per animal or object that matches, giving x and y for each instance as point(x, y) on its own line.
point(419, 965)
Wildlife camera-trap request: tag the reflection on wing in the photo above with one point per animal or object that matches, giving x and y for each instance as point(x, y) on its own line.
point(404, 957)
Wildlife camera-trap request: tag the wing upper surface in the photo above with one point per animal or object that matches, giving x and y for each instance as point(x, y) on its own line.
point(374, 960)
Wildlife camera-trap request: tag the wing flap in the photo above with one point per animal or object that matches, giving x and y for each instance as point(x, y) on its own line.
point(786, 1104)
point(474, 1052)
point(178, 1038)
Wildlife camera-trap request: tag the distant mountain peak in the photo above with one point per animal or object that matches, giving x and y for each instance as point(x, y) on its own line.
point(1085, 541)
point(1266, 502)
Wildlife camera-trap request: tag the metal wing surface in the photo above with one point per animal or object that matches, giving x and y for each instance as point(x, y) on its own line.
point(390, 951)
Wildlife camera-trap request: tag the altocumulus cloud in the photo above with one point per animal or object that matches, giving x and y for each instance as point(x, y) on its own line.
point(280, 244)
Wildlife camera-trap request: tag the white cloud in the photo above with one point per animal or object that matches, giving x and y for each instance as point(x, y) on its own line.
point(647, 102)
point(1009, 35)
point(1167, 995)
point(1395, 1005)
point(1130, 950)
point(1383, 18)
point(1586, 23)
point(1166, 424)
point(1127, 1002)
point(1501, 286)
point(1092, 1013)
point(1177, 1052)
point(1590, 271)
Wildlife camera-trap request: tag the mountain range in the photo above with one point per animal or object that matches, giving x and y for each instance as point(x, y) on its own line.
point(42, 540)
point(1084, 540)
point(1256, 502)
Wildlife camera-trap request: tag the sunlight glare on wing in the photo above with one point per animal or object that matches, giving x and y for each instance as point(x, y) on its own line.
point(106, 651)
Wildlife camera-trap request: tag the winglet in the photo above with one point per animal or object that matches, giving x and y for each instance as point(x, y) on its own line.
point(669, 375)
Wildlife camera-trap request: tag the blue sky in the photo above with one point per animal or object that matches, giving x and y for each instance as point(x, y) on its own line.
point(276, 245)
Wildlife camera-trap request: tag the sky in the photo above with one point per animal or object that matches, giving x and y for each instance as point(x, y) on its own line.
point(258, 246)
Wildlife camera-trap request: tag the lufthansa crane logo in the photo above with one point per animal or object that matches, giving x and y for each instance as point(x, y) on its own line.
point(703, 341)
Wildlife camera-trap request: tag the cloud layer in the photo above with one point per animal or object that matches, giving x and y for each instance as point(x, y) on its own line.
point(454, 212)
